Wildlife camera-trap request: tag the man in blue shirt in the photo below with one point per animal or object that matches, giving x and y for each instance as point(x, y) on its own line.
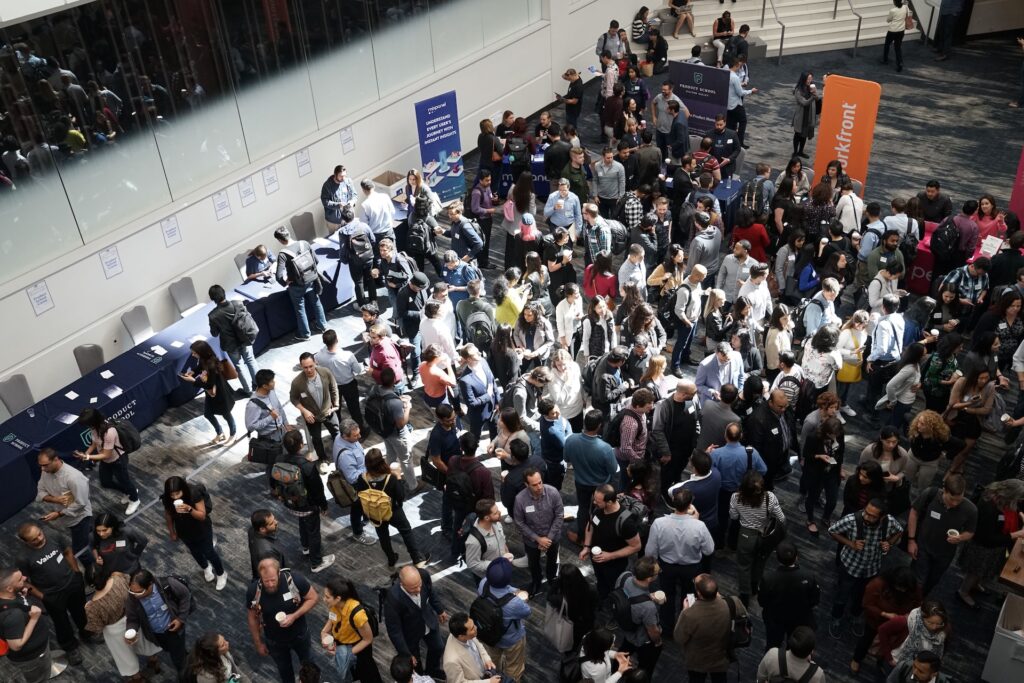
point(736, 116)
point(509, 654)
point(563, 210)
point(593, 462)
point(733, 460)
point(554, 430)
point(725, 366)
point(350, 459)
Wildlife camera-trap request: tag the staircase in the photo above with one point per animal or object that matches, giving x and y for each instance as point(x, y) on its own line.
point(809, 25)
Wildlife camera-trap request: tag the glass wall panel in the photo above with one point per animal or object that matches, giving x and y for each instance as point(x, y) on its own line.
point(455, 30)
point(503, 18)
point(402, 51)
point(343, 76)
point(536, 12)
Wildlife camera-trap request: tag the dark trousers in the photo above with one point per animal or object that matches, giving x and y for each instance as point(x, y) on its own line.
point(281, 653)
point(815, 484)
point(365, 286)
point(701, 676)
point(433, 258)
point(81, 540)
point(945, 31)
point(204, 553)
point(483, 259)
point(684, 339)
point(356, 518)
point(723, 516)
point(929, 569)
point(400, 522)
point(647, 655)
point(779, 627)
point(1020, 99)
point(676, 581)
point(64, 607)
point(210, 413)
point(584, 494)
point(309, 536)
point(894, 38)
point(799, 141)
point(173, 643)
point(849, 590)
point(533, 554)
point(435, 650)
point(555, 475)
point(860, 651)
point(606, 573)
point(458, 518)
point(350, 394)
point(661, 140)
point(736, 119)
point(475, 417)
point(115, 475)
point(316, 435)
point(606, 206)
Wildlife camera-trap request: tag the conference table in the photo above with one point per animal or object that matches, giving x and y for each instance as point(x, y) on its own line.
point(729, 196)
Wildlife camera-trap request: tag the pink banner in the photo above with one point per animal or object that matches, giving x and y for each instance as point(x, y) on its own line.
point(1017, 196)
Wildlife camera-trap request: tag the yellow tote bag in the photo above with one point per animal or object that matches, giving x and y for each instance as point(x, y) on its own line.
point(850, 372)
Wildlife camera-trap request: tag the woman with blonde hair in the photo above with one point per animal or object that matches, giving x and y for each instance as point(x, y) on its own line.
point(852, 336)
point(566, 388)
point(930, 439)
point(655, 379)
point(778, 340)
point(714, 319)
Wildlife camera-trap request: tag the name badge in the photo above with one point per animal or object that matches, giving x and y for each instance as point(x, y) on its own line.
point(163, 608)
point(749, 411)
point(1001, 518)
point(529, 508)
point(120, 544)
point(689, 409)
point(937, 316)
point(304, 395)
point(60, 558)
point(1003, 326)
point(936, 514)
point(775, 431)
point(883, 259)
point(791, 258)
point(286, 596)
point(332, 616)
point(596, 521)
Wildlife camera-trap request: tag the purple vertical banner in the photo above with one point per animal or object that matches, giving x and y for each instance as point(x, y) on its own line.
point(437, 122)
point(703, 89)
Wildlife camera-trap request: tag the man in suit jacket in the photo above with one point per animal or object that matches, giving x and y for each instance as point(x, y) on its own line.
point(413, 615)
point(715, 416)
point(314, 392)
point(465, 659)
point(724, 366)
point(479, 393)
point(771, 431)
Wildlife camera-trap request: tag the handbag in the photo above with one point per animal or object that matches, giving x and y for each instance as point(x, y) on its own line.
point(509, 210)
point(850, 373)
point(228, 369)
point(342, 492)
point(263, 451)
point(772, 533)
point(909, 21)
point(646, 68)
point(557, 627)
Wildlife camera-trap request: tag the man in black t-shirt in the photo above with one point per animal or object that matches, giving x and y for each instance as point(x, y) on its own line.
point(52, 572)
point(25, 628)
point(286, 593)
point(613, 534)
point(573, 98)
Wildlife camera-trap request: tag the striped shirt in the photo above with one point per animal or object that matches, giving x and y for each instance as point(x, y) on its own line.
point(754, 517)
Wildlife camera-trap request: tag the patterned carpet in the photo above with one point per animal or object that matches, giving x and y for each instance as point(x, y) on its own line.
point(948, 121)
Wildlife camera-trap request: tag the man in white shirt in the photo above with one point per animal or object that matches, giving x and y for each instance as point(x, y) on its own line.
point(849, 208)
point(346, 368)
point(633, 271)
point(434, 330)
point(755, 289)
point(378, 211)
point(886, 349)
point(899, 220)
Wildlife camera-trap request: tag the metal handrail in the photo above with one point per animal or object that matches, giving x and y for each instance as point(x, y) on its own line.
point(860, 20)
point(782, 36)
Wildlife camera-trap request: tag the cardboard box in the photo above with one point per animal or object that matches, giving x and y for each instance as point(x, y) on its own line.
point(1006, 654)
point(391, 183)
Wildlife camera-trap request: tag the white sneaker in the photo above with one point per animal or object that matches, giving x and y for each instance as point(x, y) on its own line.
point(222, 581)
point(324, 467)
point(848, 411)
point(842, 420)
point(365, 539)
point(208, 573)
point(324, 564)
point(521, 562)
point(133, 507)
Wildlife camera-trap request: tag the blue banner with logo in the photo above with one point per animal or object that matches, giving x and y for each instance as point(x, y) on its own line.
point(437, 122)
point(703, 89)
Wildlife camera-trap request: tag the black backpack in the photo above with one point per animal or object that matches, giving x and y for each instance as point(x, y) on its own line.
point(612, 431)
point(360, 247)
point(301, 265)
point(622, 605)
point(667, 309)
point(371, 618)
point(467, 529)
point(517, 150)
point(480, 329)
point(487, 614)
point(620, 237)
point(587, 376)
point(458, 487)
point(799, 326)
point(753, 197)
point(945, 244)
point(127, 435)
point(783, 675)
point(419, 238)
point(740, 629)
point(377, 414)
point(729, 53)
point(245, 327)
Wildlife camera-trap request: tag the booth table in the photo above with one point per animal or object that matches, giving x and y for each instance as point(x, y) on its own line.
point(919, 275)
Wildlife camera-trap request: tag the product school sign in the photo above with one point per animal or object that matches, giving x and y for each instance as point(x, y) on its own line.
point(703, 89)
point(846, 128)
point(437, 121)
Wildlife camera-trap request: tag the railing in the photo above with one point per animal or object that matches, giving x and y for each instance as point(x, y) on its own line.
point(860, 20)
point(782, 36)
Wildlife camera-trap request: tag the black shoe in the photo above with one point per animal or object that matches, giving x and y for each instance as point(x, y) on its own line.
point(941, 58)
point(678, 372)
point(242, 393)
point(884, 61)
point(745, 146)
point(802, 155)
point(899, 67)
point(692, 361)
point(74, 657)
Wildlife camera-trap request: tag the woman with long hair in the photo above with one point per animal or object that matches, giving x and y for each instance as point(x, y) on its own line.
point(422, 205)
point(991, 221)
point(380, 477)
point(347, 634)
point(999, 526)
point(748, 228)
point(742, 338)
point(889, 455)
point(822, 360)
point(490, 148)
point(633, 296)
point(940, 372)
point(670, 273)
point(751, 506)
point(1004, 318)
point(187, 515)
point(569, 316)
point(949, 315)
point(643, 320)
point(533, 336)
point(784, 208)
point(917, 322)
point(116, 547)
point(893, 593)
point(210, 661)
point(600, 278)
point(509, 299)
point(819, 213)
point(930, 440)
point(805, 118)
point(599, 333)
point(928, 628)
point(970, 403)
point(866, 484)
point(506, 363)
point(571, 588)
point(836, 266)
point(852, 337)
point(834, 177)
point(536, 275)
point(778, 340)
point(984, 354)
point(204, 372)
point(901, 390)
point(785, 261)
point(823, 463)
point(655, 379)
point(510, 428)
point(566, 388)
point(522, 201)
point(714, 319)
point(107, 451)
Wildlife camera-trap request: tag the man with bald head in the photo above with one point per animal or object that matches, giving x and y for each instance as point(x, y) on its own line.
point(280, 591)
point(770, 428)
point(413, 615)
point(675, 431)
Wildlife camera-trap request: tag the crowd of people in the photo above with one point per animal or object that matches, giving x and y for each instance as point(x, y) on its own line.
point(592, 397)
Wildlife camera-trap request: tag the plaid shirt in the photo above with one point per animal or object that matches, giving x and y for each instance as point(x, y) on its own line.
point(868, 562)
point(970, 288)
point(634, 210)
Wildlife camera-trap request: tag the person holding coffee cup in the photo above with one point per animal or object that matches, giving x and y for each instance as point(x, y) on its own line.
point(941, 519)
point(615, 533)
point(273, 592)
point(347, 635)
point(157, 609)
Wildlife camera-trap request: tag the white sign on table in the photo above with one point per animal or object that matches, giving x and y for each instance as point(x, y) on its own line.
point(111, 261)
point(172, 233)
point(990, 246)
point(39, 295)
point(348, 140)
point(221, 205)
point(270, 184)
point(303, 161)
point(246, 191)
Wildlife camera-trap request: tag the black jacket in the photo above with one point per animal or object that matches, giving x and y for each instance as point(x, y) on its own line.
point(407, 623)
point(410, 310)
point(222, 325)
point(174, 593)
point(662, 441)
point(789, 595)
point(607, 388)
point(262, 547)
point(757, 432)
point(556, 157)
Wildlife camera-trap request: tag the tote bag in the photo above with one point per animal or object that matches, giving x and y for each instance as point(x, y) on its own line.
point(850, 373)
point(557, 627)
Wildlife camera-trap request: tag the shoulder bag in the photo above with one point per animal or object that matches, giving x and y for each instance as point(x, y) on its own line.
point(773, 531)
point(558, 628)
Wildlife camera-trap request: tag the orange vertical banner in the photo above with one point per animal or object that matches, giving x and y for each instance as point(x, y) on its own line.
point(846, 127)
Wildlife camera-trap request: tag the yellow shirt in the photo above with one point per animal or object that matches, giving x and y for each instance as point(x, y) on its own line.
point(507, 312)
point(341, 622)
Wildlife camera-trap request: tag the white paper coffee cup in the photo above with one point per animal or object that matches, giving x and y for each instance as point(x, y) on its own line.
point(280, 616)
point(596, 550)
point(130, 634)
point(178, 502)
point(327, 640)
point(952, 533)
point(658, 597)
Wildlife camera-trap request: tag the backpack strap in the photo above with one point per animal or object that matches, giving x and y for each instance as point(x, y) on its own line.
point(352, 619)
point(783, 665)
point(809, 672)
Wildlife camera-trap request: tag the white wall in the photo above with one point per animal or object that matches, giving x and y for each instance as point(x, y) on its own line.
point(992, 16)
point(520, 74)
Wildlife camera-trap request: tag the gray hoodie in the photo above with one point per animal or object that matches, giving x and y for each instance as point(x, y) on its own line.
point(704, 249)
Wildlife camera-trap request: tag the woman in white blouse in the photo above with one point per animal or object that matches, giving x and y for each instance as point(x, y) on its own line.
point(901, 390)
point(568, 314)
point(597, 657)
point(566, 389)
point(851, 347)
point(896, 29)
point(779, 339)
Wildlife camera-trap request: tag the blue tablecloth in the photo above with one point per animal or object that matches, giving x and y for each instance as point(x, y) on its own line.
point(729, 198)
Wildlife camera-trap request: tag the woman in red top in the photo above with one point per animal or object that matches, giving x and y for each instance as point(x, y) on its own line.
point(893, 593)
point(755, 233)
point(599, 278)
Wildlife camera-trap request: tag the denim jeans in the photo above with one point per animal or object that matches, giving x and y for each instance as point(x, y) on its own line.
point(244, 356)
point(81, 539)
point(281, 653)
point(204, 553)
point(209, 414)
point(849, 590)
point(115, 475)
point(304, 296)
point(684, 338)
point(309, 536)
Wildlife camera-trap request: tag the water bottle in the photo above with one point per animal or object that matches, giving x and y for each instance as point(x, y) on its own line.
point(728, 182)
